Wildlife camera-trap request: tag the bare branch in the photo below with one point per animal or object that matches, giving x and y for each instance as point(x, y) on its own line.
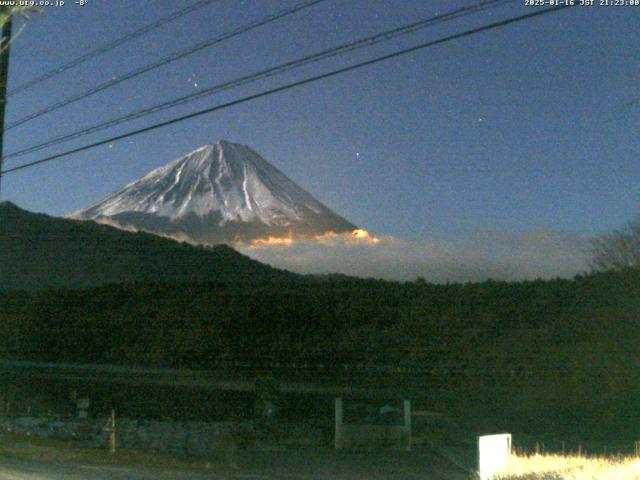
point(617, 250)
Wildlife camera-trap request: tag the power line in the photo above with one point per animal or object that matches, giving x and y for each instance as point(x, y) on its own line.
point(165, 61)
point(110, 46)
point(267, 73)
point(289, 86)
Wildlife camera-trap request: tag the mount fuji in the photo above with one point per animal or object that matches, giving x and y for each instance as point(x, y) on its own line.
point(222, 193)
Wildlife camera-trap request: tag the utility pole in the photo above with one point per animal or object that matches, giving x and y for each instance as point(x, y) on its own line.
point(4, 77)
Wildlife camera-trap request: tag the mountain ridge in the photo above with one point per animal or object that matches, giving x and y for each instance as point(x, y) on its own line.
point(39, 251)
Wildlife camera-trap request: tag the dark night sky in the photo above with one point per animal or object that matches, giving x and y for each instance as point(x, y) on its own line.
point(531, 127)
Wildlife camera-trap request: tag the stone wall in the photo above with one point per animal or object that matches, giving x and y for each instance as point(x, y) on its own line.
point(197, 439)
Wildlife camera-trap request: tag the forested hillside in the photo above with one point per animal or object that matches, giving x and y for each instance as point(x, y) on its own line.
point(39, 251)
point(533, 349)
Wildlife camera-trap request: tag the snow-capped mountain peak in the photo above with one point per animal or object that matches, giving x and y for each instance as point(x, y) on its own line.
point(213, 192)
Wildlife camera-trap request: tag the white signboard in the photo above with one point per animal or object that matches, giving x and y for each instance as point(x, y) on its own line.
point(493, 454)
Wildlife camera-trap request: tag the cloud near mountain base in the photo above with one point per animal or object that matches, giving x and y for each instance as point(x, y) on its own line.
point(487, 254)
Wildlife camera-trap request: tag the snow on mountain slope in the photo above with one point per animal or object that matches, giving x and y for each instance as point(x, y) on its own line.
point(222, 193)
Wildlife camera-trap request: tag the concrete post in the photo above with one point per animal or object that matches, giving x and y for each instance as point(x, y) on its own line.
point(83, 405)
point(407, 424)
point(338, 441)
point(112, 433)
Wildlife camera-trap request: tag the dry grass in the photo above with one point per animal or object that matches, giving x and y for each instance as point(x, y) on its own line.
point(559, 467)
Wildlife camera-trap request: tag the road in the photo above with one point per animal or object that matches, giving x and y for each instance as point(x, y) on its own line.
point(239, 380)
point(269, 467)
point(18, 469)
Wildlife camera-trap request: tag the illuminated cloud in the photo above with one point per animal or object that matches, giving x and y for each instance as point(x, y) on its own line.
point(354, 238)
point(482, 255)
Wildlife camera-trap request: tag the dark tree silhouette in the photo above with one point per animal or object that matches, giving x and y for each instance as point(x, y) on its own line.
point(617, 250)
